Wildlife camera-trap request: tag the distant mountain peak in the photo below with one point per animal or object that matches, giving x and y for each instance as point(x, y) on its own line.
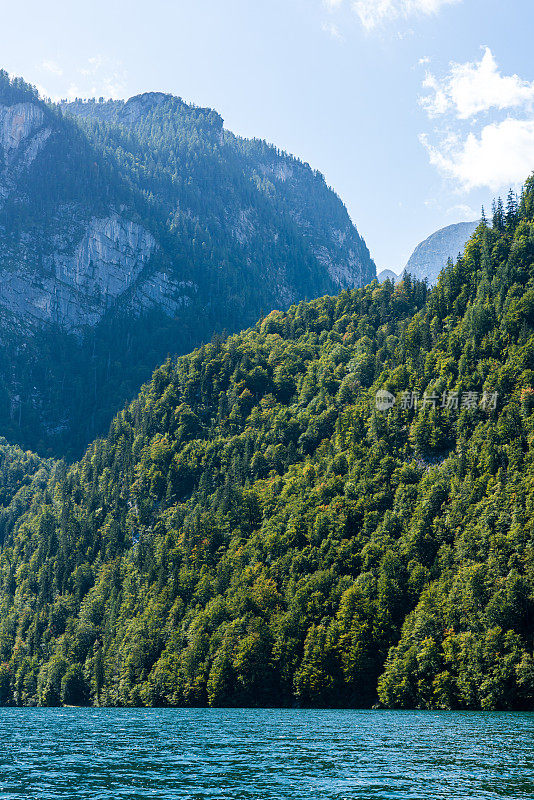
point(147, 100)
point(432, 255)
point(387, 275)
point(132, 111)
point(151, 98)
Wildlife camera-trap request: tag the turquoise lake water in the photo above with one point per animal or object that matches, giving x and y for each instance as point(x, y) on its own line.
point(232, 754)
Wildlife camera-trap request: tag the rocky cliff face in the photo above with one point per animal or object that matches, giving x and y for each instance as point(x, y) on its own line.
point(130, 230)
point(431, 256)
point(72, 273)
point(326, 227)
point(23, 133)
point(79, 278)
point(88, 265)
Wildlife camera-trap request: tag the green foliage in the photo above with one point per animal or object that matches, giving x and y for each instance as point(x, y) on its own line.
point(253, 531)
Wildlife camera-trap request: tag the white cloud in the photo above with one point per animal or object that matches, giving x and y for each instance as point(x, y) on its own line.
point(502, 155)
point(486, 133)
point(94, 64)
point(45, 93)
point(100, 77)
point(332, 29)
point(52, 67)
point(373, 13)
point(476, 87)
point(74, 92)
point(463, 213)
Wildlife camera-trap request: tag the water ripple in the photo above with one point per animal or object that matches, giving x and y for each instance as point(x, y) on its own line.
point(110, 754)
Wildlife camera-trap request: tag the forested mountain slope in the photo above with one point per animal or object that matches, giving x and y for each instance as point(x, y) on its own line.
point(255, 531)
point(136, 229)
point(22, 474)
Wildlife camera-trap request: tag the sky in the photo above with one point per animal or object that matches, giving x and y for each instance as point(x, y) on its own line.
point(418, 112)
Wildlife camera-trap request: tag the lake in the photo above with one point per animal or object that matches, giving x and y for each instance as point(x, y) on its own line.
point(259, 755)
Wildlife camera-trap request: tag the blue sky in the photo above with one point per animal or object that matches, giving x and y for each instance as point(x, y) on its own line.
point(417, 111)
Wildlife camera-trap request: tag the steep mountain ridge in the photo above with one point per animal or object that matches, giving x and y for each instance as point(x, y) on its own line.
point(132, 229)
point(281, 180)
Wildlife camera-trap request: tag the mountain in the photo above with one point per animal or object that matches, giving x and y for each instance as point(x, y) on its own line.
point(333, 508)
point(432, 255)
point(130, 230)
point(388, 275)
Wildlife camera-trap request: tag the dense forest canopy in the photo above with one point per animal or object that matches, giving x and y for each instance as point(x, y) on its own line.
point(254, 530)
